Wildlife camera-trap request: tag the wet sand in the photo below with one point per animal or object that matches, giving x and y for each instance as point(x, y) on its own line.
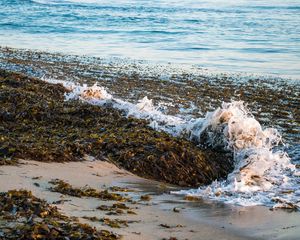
point(190, 220)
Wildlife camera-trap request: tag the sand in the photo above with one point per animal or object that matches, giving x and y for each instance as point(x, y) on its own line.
point(195, 220)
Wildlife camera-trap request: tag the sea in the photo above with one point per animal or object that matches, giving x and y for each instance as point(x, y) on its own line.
point(235, 45)
point(257, 36)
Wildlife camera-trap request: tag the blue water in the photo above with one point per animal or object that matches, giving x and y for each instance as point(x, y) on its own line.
point(254, 36)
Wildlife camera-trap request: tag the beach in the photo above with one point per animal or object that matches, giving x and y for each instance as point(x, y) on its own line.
point(162, 217)
point(163, 120)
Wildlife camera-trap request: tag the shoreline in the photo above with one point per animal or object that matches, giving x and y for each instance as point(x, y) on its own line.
point(230, 221)
point(98, 174)
point(156, 218)
point(173, 89)
point(183, 66)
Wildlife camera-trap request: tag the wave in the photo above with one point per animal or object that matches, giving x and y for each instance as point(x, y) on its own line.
point(263, 175)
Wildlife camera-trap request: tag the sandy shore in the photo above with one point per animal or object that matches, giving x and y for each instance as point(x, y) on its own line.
point(155, 219)
point(165, 216)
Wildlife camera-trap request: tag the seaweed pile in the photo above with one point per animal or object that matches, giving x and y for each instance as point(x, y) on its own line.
point(66, 188)
point(36, 123)
point(23, 216)
point(117, 209)
point(273, 101)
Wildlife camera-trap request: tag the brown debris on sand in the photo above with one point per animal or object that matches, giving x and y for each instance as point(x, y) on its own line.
point(67, 189)
point(113, 223)
point(36, 123)
point(23, 216)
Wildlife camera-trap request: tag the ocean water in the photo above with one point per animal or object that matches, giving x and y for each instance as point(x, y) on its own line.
point(254, 36)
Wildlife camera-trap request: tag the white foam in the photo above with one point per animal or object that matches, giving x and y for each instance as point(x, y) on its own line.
point(261, 172)
point(144, 109)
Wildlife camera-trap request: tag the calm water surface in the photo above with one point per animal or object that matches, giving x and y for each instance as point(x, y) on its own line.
point(234, 35)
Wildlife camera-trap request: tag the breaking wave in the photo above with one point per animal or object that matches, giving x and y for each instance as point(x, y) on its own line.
point(263, 174)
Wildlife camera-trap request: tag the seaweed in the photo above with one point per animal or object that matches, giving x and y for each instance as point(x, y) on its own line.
point(131, 212)
point(67, 189)
point(146, 197)
point(121, 189)
point(170, 226)
point(273, 102)
point(113, 223)
point(116, 209)
point(37, 123)
point(24, 216)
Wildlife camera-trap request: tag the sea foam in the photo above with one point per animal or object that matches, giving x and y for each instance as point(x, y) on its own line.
point(263, 175)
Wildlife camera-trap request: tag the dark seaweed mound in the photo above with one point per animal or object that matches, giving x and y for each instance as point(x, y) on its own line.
point(23, 216)
point(36, 123)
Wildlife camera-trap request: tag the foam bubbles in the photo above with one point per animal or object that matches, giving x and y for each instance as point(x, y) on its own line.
point(262, 174)
point(260, 170)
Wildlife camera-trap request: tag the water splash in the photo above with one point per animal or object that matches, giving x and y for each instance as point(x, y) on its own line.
point(144, 109)
point(263, 175)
